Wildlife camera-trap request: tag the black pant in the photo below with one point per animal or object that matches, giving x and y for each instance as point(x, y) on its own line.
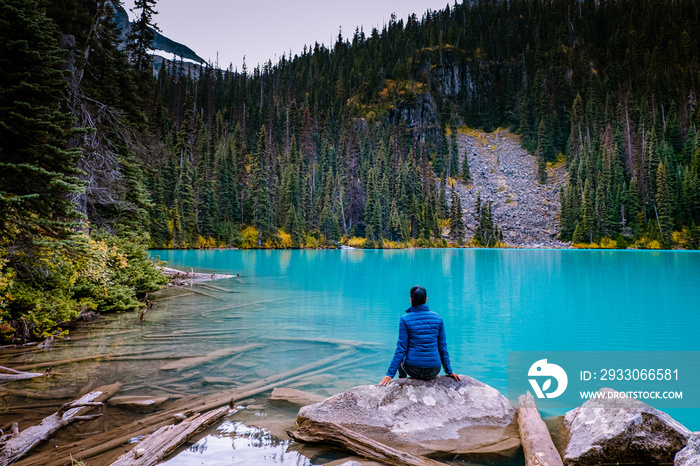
point(422, 373)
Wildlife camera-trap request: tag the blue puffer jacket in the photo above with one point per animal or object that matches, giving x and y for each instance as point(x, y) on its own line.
point(422, 341)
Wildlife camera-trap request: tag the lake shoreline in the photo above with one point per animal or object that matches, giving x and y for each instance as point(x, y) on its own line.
point(580, 247)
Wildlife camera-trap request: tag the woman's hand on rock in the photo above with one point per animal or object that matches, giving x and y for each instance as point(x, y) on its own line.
point(455, 376)
point(385, 380)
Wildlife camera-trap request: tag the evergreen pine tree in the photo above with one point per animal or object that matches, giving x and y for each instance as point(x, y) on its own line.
point(373, 211)
point(457, 227)
point(466, 173)
point(296, 229)
point(478, 232)
point(261, 196)
point(664, 200)
point(38, 173)
point(545, 148)
point(691, 196)
point(396, 232)
point(454, 154)
point(587, 222)
point(143, 32)
point(633, 205)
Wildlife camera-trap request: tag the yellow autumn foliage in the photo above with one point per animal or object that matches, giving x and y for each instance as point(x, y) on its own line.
point(356, 242)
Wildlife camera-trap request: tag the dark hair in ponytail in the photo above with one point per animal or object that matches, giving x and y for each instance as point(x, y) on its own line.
point(418, 295)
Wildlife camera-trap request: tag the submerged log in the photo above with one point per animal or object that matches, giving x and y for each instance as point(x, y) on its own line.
point(167, 439)
point(61, 362)
point(18, 443)
point(99, 444)
point(208, 295)
point(187, 363)
point(62, 394)
point(331, 341)
point(7, 374)
point(218, 288)
point(534, 435)
point(179, 295)
point(329, 432)
point(294, 397)
point(238, 306)
point(139, 403)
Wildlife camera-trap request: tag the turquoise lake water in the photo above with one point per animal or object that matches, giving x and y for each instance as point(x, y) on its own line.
point(492, 302)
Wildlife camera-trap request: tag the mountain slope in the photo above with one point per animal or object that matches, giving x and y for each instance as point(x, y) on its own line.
point(160, 43)
point(504, 173)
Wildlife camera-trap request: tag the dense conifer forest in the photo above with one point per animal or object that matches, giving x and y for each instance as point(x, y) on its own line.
point(357, 140)
point(100, 157)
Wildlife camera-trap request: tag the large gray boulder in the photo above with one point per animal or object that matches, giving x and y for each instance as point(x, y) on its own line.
point(425, 417)
point(690, 455)
point(621, 431)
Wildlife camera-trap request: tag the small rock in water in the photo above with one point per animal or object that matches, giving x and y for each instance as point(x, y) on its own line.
point(621, 431)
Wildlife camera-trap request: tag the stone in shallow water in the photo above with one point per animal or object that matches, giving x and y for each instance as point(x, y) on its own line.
point(425, 417)
point(295, 397)
point(621, 431)
point(690, 455)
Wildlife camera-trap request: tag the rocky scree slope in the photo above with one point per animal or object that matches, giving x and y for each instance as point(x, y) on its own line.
point(504, 173)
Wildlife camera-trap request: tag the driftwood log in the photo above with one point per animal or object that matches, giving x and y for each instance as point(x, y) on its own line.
point(165, 440)
point(238, 306)
point(335, 434)
point(61, 362)
point(17, 444)
point(218, 288)
point(7, 374)
point(194, 276)
point(534, 435)
point(187, 363)
point(203, 293)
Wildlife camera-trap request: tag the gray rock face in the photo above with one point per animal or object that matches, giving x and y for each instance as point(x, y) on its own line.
point(425, 417)
point(690, 455)
point(621, 431)
point(504, 174)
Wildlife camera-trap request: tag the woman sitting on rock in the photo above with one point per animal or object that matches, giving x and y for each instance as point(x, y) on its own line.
point(422, 346)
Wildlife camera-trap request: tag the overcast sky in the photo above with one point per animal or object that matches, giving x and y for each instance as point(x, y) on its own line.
point(263, 30)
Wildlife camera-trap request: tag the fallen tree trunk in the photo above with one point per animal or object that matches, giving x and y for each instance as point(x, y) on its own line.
point(165, 298)
point(7, 374)
point(61, 362)
point(17, 444)
point(167, 439)
point(534, 435)
point(329, 432)
point(238, 306)
point(196, 276)
point(218, 288)
point(35, 395)
point(187, 363)
point(203, 293)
